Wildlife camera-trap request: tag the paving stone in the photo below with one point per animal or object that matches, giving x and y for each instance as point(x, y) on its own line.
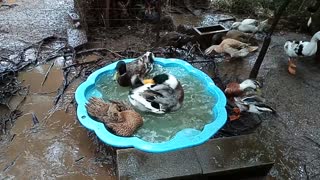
point(135, 164)
point(240, 154)
point(76, 37)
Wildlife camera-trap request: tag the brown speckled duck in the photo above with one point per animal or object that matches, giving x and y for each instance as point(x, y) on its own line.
point(141, 67)
point(116, 115)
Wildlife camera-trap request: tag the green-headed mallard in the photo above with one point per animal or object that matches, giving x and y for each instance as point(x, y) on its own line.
point(252, 104)
point(164, 95)
point(116, 115)
point(141, 67)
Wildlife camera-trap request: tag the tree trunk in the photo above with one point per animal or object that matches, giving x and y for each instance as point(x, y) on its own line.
point(267, 39)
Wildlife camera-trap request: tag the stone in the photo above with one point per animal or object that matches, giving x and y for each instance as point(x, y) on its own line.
point(135, 164)
point(234, 155)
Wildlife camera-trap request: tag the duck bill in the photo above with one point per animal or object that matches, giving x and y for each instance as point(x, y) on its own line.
point(148, 81)
point(115, 76)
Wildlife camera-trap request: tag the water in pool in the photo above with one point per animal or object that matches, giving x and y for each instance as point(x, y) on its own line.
point(195, 112)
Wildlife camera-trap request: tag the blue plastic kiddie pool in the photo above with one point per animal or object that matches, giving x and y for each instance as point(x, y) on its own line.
point(183, 139)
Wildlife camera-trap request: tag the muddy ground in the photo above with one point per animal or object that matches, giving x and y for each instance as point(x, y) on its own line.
point(58, 147)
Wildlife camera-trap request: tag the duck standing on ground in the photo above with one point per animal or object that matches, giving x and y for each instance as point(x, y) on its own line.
point(116, 115)
point(234, 48)
point(141, 67)
point(296, 49)
point(250, 25)
point(164, 94)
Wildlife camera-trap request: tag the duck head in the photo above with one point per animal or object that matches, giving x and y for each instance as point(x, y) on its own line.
point(166, 79)
point(147, 59)
point(235, 25)
point(121, 70)
point(288, 45)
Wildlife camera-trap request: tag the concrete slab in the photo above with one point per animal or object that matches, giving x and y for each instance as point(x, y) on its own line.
point(76, 37)
point(135, 164)
point(239, 157)
point(234, 156)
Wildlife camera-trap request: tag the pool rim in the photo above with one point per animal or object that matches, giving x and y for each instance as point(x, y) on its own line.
point(183, 139)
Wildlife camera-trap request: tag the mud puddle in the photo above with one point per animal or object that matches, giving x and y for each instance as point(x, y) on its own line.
point(57, 147)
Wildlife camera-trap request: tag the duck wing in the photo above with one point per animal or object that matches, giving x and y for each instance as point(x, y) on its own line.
point(252, 22)
point(163, 99)
point(122, 105)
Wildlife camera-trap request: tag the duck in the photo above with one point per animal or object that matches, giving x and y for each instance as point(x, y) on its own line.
point(118, 116)
point(140, 66)
point(251, 104)
point(251, 25)
point(296, 49)
point(163, 94)
point(235, 48)
point(237, 89)
point(237, 35)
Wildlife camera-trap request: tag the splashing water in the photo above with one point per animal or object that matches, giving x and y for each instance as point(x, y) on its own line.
point(195, 112)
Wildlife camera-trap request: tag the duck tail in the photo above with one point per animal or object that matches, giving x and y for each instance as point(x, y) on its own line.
point(136, 81)
point(210, 49)
point(266, 108)
point(253, 48)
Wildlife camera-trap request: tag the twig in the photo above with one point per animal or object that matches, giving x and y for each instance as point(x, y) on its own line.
point(24, 98)
point(204, 61)
point(80, 64)
point(77, 160)
point(313, 141)
point(11, 163)
point(45, 93)
point(98, 49)
point(47, 73)
point(34, 119)
point(227, 19)
point(65, 81)
point(305, 170)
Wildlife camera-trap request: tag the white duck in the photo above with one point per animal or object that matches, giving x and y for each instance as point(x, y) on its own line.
point(250, 25)
point(164, 94)
point(296, 49)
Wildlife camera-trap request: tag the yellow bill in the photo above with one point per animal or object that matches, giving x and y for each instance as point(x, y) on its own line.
point(148, 81)
point(115, 76)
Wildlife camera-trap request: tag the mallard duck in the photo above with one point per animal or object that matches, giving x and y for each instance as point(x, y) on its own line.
point(250, 25)
point(116, 115)
point(296, 49)
point(164, 95)
point(237, 35)
point(252, 104)
point(235, 89)
point(141, 67)
point(234, 48)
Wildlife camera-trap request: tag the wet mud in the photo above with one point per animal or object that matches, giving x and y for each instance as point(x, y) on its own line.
point(57, 147)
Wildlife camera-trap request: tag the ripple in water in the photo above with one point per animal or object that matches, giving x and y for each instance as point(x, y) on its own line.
point(195, 112)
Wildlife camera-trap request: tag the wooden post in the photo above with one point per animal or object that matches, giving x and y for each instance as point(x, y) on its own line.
point(107, 13)
point(267, 39)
